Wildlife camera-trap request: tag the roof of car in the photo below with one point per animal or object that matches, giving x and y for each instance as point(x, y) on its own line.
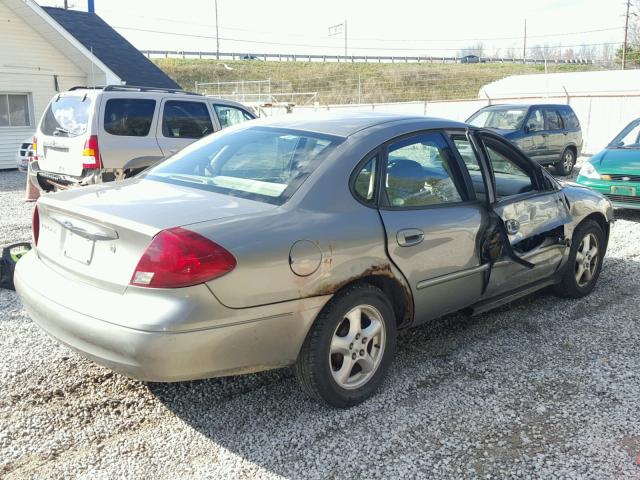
point(523, 105)
point(346, 124)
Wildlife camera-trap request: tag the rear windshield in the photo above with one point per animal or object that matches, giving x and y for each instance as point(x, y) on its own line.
point(67, 116)
point(264, 164)
point(503, 119)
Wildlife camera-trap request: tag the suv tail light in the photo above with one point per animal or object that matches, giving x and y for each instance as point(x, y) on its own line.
point(35, 226)
point(35, 148)
point(179, 258)
point(91, 153)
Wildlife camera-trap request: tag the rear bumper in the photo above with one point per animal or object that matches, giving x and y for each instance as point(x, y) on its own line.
point(230, 342)
point(48, 181)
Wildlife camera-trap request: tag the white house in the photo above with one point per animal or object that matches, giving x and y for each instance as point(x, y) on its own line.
point(48, 50)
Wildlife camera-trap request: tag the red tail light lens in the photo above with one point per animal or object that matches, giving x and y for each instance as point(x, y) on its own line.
point(179, 258)
point(35, 225)
point(91, 153)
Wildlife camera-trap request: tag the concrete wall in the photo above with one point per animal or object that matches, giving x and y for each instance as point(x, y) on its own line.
point(601, 117)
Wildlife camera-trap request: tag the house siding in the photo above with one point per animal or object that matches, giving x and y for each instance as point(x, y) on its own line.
point(28, 64)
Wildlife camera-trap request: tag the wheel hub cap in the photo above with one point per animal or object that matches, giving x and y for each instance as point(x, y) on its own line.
point(587, 258)
point(357, 347)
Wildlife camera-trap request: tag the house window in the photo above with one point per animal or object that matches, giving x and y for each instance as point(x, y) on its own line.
point(14, 110)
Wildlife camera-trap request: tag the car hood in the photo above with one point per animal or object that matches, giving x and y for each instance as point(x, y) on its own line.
point(617, 160)
point(155, 204)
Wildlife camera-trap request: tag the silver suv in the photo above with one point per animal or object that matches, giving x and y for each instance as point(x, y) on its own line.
point(92, 135)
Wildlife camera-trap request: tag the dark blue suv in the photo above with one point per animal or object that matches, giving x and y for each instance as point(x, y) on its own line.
point(549, 134)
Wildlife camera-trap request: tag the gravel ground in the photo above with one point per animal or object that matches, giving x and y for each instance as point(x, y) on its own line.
point(543, 387)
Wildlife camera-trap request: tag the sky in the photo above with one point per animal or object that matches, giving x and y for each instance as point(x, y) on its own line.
point(401, 27)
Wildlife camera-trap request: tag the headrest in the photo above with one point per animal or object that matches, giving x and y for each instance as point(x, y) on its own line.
point(406, 175)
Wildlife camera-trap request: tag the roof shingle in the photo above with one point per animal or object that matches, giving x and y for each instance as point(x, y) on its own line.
point(111, 48)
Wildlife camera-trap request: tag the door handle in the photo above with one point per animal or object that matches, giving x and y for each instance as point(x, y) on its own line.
point(512, 226)
point(409, 237)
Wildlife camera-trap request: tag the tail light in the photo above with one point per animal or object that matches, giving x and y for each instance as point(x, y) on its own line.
point(35, 226)
point(91, 153)
point(35, 148)
point(179, 258)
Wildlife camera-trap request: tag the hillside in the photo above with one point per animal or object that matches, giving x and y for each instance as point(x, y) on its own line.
point(352, 82)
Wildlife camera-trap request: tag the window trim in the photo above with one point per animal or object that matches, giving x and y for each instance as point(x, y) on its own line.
point(214, 123)
point(30, 123)
point(383, 199)
point(531, 167)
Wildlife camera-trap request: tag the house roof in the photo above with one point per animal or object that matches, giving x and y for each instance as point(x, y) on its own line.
point(111, 48)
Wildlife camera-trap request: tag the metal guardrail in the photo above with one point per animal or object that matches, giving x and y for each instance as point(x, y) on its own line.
point(294, 57)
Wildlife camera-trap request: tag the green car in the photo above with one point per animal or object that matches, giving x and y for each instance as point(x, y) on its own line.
point(615, 171)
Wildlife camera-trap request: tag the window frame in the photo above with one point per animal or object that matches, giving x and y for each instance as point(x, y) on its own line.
point(374, 155)
point(30, 122)
point(151, 124)
point(243, 110)
point(212, 119)
point(383, 199)
point(546, 124)
point(534, 170)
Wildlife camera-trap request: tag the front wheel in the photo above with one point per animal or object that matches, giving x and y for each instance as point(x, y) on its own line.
point(566, 163)
point(349, 348)
point(585, 261)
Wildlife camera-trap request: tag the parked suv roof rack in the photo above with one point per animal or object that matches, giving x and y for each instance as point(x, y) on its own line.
point(136, 88)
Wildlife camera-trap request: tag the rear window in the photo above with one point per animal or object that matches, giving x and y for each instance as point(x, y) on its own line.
point(264, 164)
point(129, 117)
point(186, 120)
point(67, 116)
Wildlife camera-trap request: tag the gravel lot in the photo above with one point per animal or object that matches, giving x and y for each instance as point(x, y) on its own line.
point(543, 387)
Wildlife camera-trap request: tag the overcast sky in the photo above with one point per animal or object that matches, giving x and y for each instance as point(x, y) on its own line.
point(400, 27)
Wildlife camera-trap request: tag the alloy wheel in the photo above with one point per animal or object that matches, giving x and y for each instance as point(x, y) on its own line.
point(567, 161)
point(357, 347)
point(587, 258)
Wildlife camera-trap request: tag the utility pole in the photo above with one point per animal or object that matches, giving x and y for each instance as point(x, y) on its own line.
point(626, 33)
point(345, 39)
point(217, 36)
point(524, 43)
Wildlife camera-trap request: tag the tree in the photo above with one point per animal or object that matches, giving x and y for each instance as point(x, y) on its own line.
point(477, 50)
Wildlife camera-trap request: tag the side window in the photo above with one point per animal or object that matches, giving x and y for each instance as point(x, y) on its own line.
point(535, 122)
point(470, 159)
point(552, 120)
point(569, 118)
point(365, 181)
point(230, 115)
point(419, 173)
point(183, 119)
point(510, 178)
point(129, 117)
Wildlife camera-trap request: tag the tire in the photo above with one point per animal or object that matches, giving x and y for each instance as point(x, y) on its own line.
point(334, 339)
point(566, 163)
point(579, 279)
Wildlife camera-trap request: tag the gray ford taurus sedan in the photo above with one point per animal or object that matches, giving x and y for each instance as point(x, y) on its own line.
point(305, 242)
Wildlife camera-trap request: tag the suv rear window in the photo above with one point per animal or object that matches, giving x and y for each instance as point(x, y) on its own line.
point(264, 164)
point(67, 116)
point(129, 117)
point(186, 120)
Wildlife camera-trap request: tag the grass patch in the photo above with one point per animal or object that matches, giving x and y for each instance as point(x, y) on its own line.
point(356, 82)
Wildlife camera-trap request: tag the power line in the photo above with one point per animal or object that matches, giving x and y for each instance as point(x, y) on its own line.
point(264, 42)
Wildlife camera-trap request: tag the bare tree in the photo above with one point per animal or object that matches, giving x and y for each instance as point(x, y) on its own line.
point(477, 49)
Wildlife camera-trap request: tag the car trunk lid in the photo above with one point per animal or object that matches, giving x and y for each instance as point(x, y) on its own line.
point(98, 234)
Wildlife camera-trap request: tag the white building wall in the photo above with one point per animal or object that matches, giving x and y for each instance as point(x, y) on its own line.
point(28, 64)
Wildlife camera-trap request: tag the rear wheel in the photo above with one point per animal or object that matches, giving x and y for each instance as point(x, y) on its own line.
point(585, 261)
point(349, 348)
point(566, 163)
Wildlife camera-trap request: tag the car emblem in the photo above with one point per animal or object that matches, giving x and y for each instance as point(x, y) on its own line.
point(626, 179)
